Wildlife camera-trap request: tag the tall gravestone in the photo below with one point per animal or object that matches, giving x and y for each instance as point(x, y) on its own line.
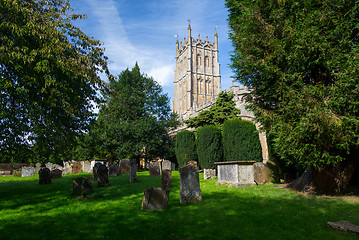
point(261, 175)
point(124, 166)
point(102, 173)
point(155, 169)
point(94, 171)
point(166, 179)
point(155, 198)
point(113, 170)
point(82, 186)
point(86, 166)
point(44, 176)
point(133, 170)
point(27, 171)
point(76, 167)
point(190, 187)
point(37, 167)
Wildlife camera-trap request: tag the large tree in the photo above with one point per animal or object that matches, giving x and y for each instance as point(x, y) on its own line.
point(300, 58)
point(48, 78)
point(135, 119)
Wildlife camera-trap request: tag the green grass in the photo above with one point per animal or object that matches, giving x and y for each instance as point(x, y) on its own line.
point(32, 211)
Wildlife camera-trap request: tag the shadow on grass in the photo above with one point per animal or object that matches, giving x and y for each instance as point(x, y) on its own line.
point(50, 212)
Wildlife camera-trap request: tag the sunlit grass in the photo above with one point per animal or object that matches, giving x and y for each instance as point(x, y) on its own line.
point(32, 211)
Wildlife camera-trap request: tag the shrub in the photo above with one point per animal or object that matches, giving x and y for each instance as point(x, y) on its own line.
point(185, 147)
point(209, 146)
point(241, 141)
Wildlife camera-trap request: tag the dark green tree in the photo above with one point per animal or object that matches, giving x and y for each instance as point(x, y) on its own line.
point(223, 109)
point(48, 79)
point(134, 120)
point(209, 146)
point(185, 147)
point(300, 58)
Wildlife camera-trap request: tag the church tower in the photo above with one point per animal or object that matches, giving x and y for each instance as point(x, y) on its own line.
point(197, 76)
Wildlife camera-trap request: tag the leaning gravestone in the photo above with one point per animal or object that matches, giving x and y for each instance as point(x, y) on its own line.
point(94, 171)
point(82, 186)
point(190, 188)
point(113, 170)
point(76, 167)
point(133, 170)
point(166, 179)
point(155, 198)
point(56, 173)
point(155, 169)
point(209, 173)
point(260, 173)
point(27, 171)
point(124, 166)
point(102, 173)
point(44, 176)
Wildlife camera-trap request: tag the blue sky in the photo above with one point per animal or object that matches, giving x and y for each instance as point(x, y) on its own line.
point(144, 31)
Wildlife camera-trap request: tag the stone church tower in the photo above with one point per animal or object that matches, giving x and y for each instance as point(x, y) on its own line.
point(197, 76)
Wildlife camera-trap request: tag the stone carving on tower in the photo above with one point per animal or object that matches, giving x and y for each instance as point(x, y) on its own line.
point(197, 75)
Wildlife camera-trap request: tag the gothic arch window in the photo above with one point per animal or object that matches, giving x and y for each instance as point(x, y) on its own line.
point(207, 87)
point(199, 60)
point(206, 61)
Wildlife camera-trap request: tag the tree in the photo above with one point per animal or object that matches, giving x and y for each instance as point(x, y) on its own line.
point(48, 78)
point(134, 120)
point(185, 147)
point(209, 146)
point(300, 58)
point(223, 109)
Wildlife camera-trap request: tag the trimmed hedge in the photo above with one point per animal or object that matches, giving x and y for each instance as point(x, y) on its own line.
point(185, 147)
point(209, 146)
point(241, 141)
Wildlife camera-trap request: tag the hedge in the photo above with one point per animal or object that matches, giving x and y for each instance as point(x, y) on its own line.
point(185, 147)
point(209, 146)
point(241, 141)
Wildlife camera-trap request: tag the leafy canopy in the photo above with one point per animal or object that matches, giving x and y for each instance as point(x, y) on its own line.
point(223, 109)
point(300, 58)
point(48, 79)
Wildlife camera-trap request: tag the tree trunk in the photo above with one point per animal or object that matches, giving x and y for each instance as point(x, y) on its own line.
point(330, 180)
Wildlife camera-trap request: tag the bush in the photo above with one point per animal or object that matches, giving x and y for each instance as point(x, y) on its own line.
point(185, 147)
point(241, 141)
point(209, 146)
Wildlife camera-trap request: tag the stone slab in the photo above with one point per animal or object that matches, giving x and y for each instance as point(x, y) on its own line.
point(190, 186)
point(344, 226)
point(155, 198)
point(124, 166)
point(82, 186)
point(155, 169)
point(27, 171)
point(166, 179)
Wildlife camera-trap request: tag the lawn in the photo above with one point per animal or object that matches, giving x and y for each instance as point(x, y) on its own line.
point(32, 211)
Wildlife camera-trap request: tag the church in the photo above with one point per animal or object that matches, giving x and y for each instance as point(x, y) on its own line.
point(198, 81)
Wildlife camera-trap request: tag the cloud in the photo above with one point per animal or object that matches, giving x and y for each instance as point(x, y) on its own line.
point(163, 74)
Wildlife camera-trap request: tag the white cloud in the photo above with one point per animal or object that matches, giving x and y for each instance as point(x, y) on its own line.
point(164, 75)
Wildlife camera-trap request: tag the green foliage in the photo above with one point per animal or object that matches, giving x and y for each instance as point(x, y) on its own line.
point(48, 79)
point(241, 141)
point(300, 58)
point(223, 109)
point(133, 122)
point(209, 146)
point(185, 147)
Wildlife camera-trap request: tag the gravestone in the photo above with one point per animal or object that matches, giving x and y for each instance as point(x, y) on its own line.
point(37, 167)
point(155, 169)
point(86, 166)
point(44, 176)
point(67, 167)
point(190, 187)
point(236, 173)
point(102, 174)
point(82, 186)
point(192, 163)
point(76, 167)
point(133, 170)
point(56, 173)
point(155, 198)
point(27, 171)
point(260, 173)
point(124, 166)
point(49, 165)
point(94, 171)
point(166, 179)
point(113, 170)
point(166, 165)
point(209, 173)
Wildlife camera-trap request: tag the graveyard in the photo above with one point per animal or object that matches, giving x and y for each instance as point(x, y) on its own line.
point(29, 210)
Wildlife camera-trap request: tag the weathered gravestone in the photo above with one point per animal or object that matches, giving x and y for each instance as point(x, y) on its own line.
point(167, 165)
point(86, 166)
point(155, 169)
point(133, 170)
point(113, 170)
point(237, 173)
point(67, 167)
point(102, 173)
point(209, 173)
point(82, 186)
point(56, 173)
point(37, 167)
point(124, 166)
point(44, 176)
point(76, 167)
point(155, 198)
point(94, 171)
point(260, 173)
point(192, 163)
point(27, 171)
point(190, 188)
point(166, 179)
